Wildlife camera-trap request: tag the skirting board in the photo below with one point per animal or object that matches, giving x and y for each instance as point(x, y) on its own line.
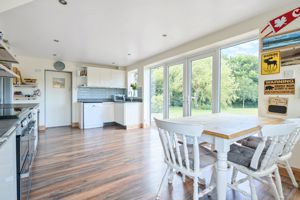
point(284, 173)
point(134, 126)
point(75, 125)
point(42, 128)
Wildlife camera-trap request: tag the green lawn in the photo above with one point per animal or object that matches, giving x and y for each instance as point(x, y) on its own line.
point(177, 112)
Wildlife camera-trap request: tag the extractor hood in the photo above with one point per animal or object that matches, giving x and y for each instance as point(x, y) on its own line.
point(6, 59)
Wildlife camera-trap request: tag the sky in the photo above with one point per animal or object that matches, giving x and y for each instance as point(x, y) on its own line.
point(249, 48)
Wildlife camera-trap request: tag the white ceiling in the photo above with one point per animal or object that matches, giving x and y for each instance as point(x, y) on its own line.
point(105, 31)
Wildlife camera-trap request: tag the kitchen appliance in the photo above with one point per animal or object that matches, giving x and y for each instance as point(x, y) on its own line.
point(91, 115)
point(25, 152)
point(119, 98)
point(8, 111)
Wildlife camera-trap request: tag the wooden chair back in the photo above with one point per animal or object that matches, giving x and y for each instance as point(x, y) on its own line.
point(279, 136)
point(172, 135)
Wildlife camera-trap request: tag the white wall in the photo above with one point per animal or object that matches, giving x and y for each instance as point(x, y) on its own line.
point(294, 100)
point(9, 4)
point(35, 68)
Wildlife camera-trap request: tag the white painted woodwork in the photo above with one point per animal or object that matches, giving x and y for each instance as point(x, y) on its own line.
point(8, 175)
point(119, 113)
point(91, 115)
point(58, 100)
point(222, 130)
point(103, 77)
point(171, 135)
point(128, 114)
point(279, 136)
point(108, 109)
point(118, 78)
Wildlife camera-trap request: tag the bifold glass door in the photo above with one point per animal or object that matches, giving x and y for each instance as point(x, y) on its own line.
point(201, 85)
point(175, 90)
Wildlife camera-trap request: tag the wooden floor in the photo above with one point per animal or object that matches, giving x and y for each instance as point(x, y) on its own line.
point(111, 164)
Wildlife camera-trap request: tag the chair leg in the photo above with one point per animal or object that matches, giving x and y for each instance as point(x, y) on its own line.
point(161, 183)
point(291, 174)
point(234, 175)
point(171, 176)
point(273, 187)
point(196, 192)
point(253, 190)
point(278, 184)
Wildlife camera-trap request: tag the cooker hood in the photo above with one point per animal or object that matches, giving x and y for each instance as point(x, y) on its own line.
point(6, 59)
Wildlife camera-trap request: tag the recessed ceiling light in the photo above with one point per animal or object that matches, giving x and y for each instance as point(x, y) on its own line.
point(63, 2)
point(129, 54)
point(164, 35)
point(55, 40)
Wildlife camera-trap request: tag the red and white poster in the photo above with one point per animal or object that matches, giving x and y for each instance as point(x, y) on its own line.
point(281, 21)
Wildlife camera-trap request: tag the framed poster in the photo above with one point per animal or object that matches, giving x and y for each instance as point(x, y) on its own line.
point(278, 105)
point(281, 86)
point(270, 63)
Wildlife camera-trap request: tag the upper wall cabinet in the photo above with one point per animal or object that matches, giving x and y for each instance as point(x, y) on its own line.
point(103, 77)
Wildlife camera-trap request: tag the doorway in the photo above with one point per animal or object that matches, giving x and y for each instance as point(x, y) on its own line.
point(58, 98)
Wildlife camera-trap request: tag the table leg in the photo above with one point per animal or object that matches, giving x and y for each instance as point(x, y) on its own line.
point(222, 148)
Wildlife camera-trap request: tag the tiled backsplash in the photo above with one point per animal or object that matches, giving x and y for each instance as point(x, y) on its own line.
point(98, 93)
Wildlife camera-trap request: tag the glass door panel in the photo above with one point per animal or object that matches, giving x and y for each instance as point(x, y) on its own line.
point(201, 86)
point(175, 90)
point(156, 92)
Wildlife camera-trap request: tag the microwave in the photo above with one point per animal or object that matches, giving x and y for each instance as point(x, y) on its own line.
point(119, 97)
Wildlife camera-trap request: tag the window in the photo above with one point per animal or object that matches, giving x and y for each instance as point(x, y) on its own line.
point(239, 78)
point(132, 82)
point(175, 90)
point(156, 92)
point(201, 91)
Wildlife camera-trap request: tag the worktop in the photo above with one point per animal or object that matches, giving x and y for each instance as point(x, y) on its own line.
point(107, 100)
point(7, 124)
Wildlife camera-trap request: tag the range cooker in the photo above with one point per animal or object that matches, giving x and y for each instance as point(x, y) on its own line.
point(25, 154)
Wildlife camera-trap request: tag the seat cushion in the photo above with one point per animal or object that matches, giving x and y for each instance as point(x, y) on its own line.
point(242, 155)
point(206, 157)
point(253, 141)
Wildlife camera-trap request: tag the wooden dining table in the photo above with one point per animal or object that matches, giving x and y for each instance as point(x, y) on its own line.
point(222, 130)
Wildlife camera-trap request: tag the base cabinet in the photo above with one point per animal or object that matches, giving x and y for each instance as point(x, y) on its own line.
point(8, 168)
point(129, 114)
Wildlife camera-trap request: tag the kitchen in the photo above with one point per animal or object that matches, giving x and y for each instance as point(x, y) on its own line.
point(104, 100)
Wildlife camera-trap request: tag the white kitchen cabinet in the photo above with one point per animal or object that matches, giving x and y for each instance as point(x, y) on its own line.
point(129, 114)
point(103, 77)
point(118, 78)
point(93, 77)
point(8, 169)
point(108, 109)
point(119, 113)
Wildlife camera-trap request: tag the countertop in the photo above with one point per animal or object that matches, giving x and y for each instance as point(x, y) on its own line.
point(107, 100)
point(6, 124)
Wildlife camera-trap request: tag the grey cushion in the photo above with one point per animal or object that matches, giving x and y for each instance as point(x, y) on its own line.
point(253, 141)
point(206, 156)
point(243, 155)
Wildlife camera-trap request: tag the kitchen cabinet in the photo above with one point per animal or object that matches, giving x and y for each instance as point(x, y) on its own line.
point(108, 109)
point(129, 114)
point(8, 169)
point(103, 77)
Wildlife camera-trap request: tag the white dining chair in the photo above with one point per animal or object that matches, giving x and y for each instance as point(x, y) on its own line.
point(183, 154)
point(283, 160)
point(260, 162)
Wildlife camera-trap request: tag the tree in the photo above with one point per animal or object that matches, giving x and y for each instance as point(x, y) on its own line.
point(244, 69)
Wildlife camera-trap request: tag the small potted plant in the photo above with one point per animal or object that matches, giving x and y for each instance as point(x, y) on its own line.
point(134, 88)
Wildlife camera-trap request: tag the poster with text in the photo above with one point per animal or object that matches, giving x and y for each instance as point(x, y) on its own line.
point(270, 63)
point(281, 86)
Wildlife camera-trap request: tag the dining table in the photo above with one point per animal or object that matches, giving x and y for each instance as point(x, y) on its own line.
point(222, 130)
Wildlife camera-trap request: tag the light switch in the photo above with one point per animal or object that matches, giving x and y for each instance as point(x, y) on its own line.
point(289, 74)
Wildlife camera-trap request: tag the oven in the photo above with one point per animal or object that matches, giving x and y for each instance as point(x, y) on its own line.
point(25, 154)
